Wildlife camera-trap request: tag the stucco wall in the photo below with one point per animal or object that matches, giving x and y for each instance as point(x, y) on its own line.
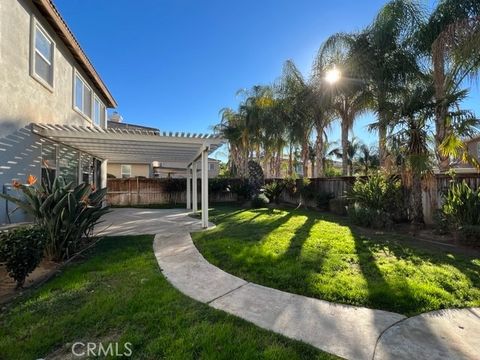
point(137, 170)
point(22, 98)
point(473, 148)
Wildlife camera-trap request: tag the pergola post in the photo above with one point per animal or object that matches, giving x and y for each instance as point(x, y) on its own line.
point(189, 188)
point(205, 189)
point(194, 187)
point(103, 177)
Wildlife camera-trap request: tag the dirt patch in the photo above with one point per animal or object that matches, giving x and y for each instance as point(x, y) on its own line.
point(44, 271)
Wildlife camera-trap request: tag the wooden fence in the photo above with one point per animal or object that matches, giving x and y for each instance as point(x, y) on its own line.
point(140, 191)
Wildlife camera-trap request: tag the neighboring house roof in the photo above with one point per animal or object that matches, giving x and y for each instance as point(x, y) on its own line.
point(51, 13)
point(122, 125)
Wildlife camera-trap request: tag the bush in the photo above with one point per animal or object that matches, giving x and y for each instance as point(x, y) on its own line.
point(470, 235)
point(242, 188)
point(338, 205)
point(255, 176)
point(21, 250)
point(66, 213)
point(369, 217)
point(259, 201)
point(323, 199)
point(306, 189)
point(461, 206)
point(377, 198)
point(274, 190)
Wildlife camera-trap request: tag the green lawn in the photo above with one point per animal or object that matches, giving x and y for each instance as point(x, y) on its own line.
point(119, 294)
point(320, 255)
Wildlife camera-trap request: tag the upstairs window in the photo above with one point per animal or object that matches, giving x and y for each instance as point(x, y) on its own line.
point(42, 55)
point(126, 171)
point(98, 112)
point(82, 96)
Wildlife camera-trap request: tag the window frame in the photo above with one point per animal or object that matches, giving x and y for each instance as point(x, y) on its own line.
point(74, 92)
point(478, 150)
point(101, 104)
point(35, 24)
point(122, 173)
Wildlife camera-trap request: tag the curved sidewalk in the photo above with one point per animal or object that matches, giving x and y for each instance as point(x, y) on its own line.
point(347, 331)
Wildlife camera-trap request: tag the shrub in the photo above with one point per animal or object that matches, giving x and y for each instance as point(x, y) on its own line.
point(274, 190)
point(323, 198)
point(461, 205)
point(306, 189)
point(470, 235)
point(260, 201)
point(66, 213)
point(173, 188)
point(242, 188)
point(338, 205)
point(21, 250)
point(255, 176)
point(377, 198)
point(291, 185)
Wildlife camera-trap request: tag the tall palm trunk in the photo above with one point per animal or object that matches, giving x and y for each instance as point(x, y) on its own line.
point(382, 142)
point(441, 128)
point(305, 158)
point(416, 205)
point(290, 161)
point(319, 154)
point(345, 129)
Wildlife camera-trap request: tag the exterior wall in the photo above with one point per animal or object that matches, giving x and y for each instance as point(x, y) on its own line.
point(137, 170)
point(473, 148)
point(20, 156)
point(23, 99)
point(213, 169)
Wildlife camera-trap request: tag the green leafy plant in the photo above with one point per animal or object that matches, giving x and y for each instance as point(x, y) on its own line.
point(274, 190)
point(242, 188)
point(67, 213)
point(21, 249)
point(461, 211)
point(461, 205)
point(260, 201)
point(375, 201)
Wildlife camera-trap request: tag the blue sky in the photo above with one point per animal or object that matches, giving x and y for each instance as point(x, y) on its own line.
point(173, 64)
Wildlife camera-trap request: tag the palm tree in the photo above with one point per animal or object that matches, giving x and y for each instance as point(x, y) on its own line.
point(322, 117)
point(349, 96)
point(367, 159)
point(353, 148)
point(450, 40)
point(294, 92)
point(386, 60)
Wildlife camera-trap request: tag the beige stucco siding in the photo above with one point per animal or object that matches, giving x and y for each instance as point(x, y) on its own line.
point(22, 98)
point(137, 170)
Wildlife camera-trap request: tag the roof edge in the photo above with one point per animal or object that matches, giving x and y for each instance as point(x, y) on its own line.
point(53, 16)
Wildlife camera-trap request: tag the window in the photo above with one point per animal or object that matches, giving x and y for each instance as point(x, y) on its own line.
point(98, 112)
point(211, 166)
point(126, 171)
point(82, 96)
point(42, 55)
point(478, 150)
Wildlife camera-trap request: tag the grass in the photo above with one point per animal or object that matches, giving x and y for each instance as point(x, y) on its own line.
point(119, 294)
point(322, 256)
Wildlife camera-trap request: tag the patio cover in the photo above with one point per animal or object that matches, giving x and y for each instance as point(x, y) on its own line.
point(142, 146)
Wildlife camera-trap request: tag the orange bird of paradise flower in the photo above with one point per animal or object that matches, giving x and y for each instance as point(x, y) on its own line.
point(31, 180)
point(16, 184)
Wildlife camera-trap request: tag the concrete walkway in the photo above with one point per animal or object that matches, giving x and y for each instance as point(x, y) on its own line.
point(347, 331)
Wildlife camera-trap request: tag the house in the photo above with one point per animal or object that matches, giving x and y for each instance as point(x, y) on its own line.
point(53, 112)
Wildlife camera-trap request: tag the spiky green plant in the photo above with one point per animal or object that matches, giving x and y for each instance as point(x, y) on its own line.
point(67, 213)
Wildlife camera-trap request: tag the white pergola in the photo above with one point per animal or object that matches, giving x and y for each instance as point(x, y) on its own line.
point(142, 146)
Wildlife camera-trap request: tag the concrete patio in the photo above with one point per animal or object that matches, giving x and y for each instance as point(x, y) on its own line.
point(347, 331)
